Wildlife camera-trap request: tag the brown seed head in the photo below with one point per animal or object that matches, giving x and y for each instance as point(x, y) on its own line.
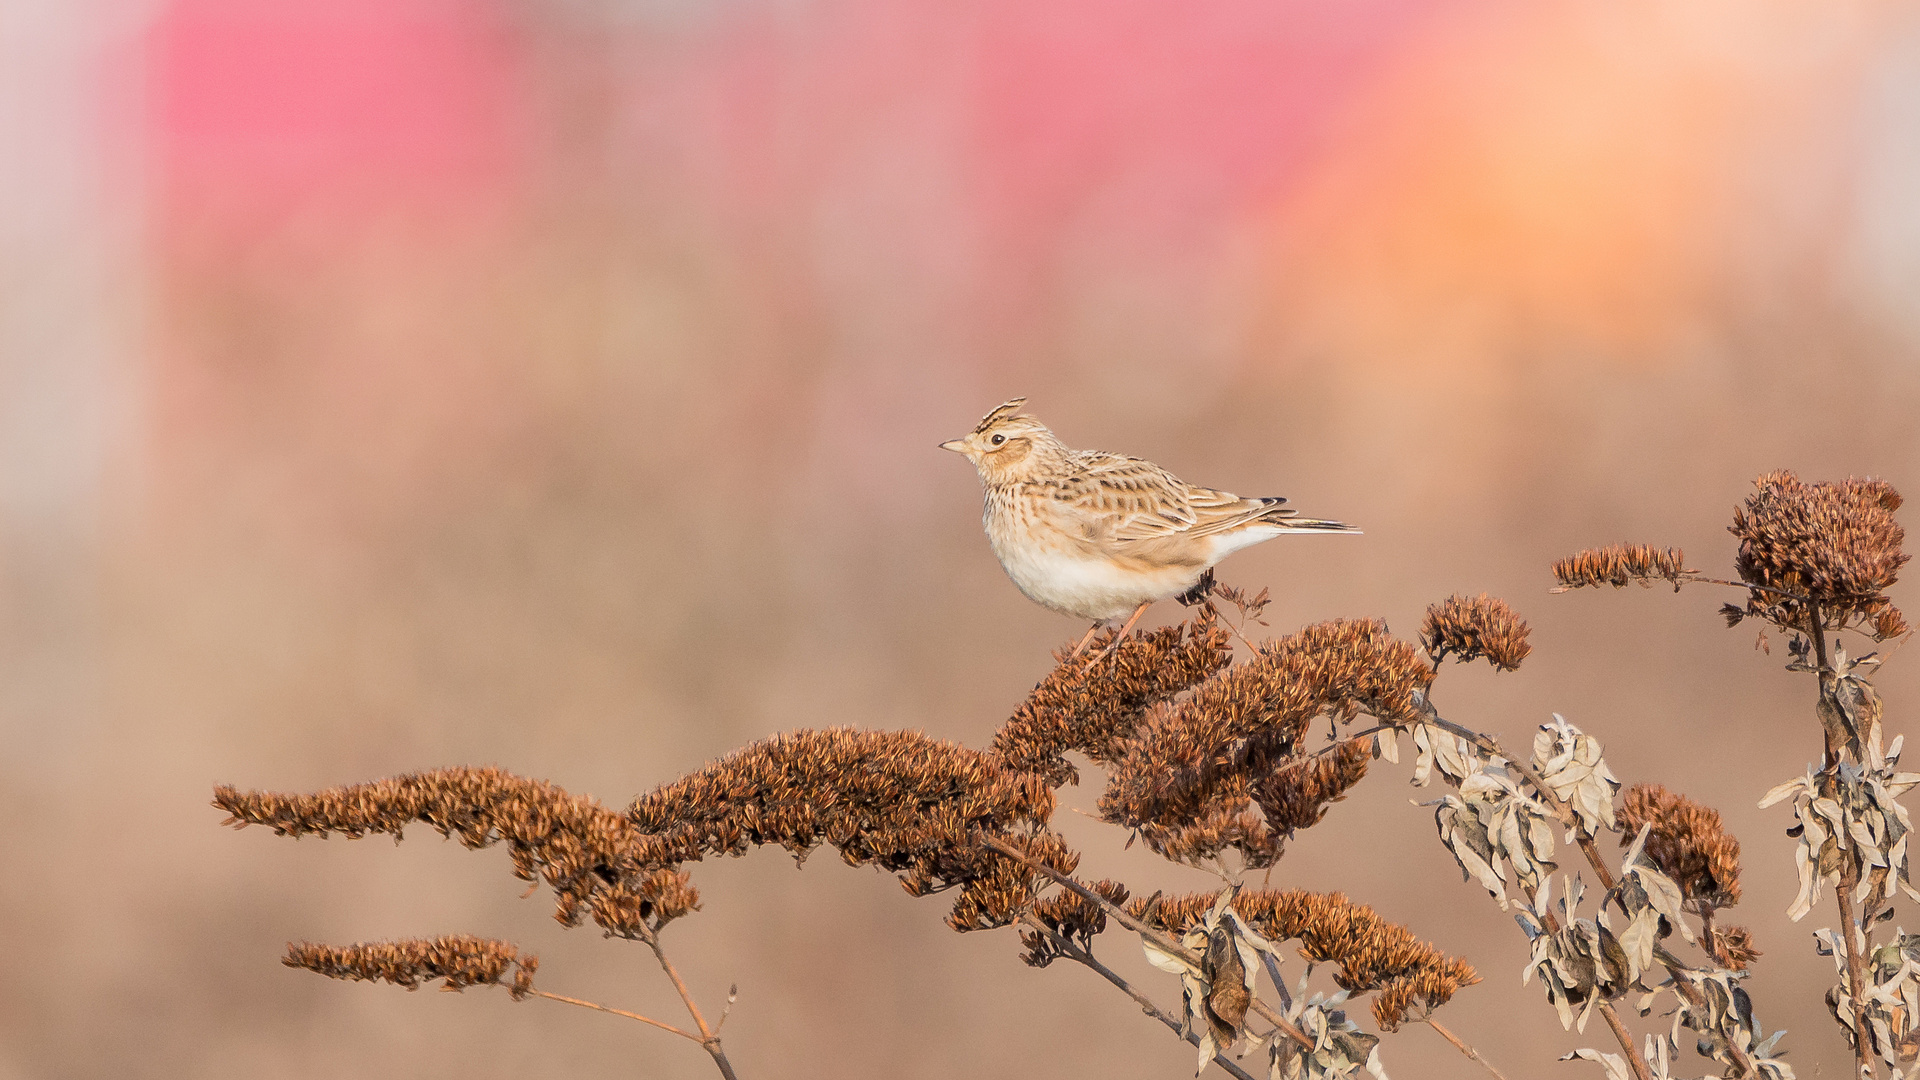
point(1686, 841)
point(1296, 796)
point(1186, 779)
point(1733, 947)
point(1071, 916)
point(896, 799)
point(1834, 543)
point(1373, 954)
point(1621, 564)
point(1092, 707)
point(461, 960)
point(578, 847)
point(1474, 627)
point(997, 889)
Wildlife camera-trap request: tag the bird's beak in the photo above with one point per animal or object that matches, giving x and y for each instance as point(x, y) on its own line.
point(954, 445)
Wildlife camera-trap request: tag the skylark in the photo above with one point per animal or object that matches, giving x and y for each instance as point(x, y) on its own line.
point(1097, 535)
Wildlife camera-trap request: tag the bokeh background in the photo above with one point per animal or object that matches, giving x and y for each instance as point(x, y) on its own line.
point(554, 384)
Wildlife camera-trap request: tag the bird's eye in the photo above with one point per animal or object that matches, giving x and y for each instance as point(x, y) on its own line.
point(998, 439)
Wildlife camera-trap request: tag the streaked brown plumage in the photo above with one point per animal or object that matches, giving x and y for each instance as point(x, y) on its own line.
point(1097, 535)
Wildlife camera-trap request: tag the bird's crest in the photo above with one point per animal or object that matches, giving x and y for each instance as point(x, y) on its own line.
point(999, 412)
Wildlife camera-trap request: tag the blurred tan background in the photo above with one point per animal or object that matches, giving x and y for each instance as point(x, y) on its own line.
point(555, 384)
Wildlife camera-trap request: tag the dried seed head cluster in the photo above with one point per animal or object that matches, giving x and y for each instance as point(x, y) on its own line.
point(1091, 707)
point(995, 889)
point(1621, 564)
point(1251, 605)
point(1373, 954)
point(1296, 796)
point(1732, 947)
point(1686, 841)
point(460, 960)
point(898, 799)
point(1836, 544)
point(593, 858)
point(1073, 917)
point(1474, 627)
point(1186, 780)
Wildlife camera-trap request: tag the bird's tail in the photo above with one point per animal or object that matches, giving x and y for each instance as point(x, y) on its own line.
point(1285, 520)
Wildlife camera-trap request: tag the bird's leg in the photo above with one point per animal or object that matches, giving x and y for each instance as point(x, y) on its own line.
point(1121, 636)
point(1078, 649)
point(1133, 618)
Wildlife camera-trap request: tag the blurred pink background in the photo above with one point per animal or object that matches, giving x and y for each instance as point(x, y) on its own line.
point(555, 384)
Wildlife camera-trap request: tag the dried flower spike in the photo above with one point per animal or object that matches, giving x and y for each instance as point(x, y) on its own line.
point(1073, 917)
point(1090, 708)
point(594, 859)
point(899, 800)
point(1373, 954)
point(1836, 544)
point(459, 959)
point(1186, 779)
point(1621, 564)
point(1471, 627)
point(1297, 795)
point(1686, 841)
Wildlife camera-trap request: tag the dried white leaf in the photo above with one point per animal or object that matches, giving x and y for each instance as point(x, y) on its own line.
point(1386, 745)
point(1569, 762)
point(1638, 940)
point(1159, 957)
point(1615, 1065)
point(1423, 749)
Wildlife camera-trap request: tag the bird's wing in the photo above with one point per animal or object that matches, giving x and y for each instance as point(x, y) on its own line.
point(1128, 499)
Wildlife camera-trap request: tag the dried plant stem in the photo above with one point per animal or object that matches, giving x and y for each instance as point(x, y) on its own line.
point(1620, 1033)
point(1591, 850)
point(709, 1039)
point(1232, 629)
point(1461, 1046)
point(1856, 966)
point(1164, 941)
point(1119, 915)
point(688, 1035)
point(1565, 814)
point(1694, 577)
point(1083, 957)
point(1704, 580)
point(1849, 867)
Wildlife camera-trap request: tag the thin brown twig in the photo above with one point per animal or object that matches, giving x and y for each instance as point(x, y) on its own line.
point(1231, 628)
point(1461, 1046)
point(1705, 580)
point(1694, 577)
point(1620, 1032)
point(709, 1039)
point(1081, 956)
point(688, 1035)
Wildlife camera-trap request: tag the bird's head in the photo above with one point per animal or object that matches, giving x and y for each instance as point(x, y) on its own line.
point(1007, 446)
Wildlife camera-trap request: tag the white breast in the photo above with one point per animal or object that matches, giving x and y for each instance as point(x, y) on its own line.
point(1059, 573)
